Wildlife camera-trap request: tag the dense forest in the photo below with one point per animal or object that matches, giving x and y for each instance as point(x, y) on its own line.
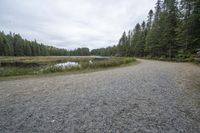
point(15, 45)
point(171, 31)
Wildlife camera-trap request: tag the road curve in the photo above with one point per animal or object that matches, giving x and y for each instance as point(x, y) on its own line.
point(152, 96)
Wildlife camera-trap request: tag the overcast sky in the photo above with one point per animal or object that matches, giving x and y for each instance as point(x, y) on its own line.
point(73, 23)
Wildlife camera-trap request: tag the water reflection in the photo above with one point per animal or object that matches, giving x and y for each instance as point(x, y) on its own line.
point(68, 64)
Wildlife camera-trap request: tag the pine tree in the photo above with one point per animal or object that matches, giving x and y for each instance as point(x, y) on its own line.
point(1, 45)
point(121, 45)
point(150, 19)
point(189, 29)
point(136, 40)
point(170, 25)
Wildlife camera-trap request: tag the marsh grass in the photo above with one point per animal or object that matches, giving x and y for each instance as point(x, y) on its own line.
point(48, 64)
point(16, 71)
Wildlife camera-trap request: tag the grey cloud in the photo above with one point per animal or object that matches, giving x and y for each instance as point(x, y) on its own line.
point(71, 24)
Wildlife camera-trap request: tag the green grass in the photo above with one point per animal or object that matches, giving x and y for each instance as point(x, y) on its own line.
point(45, 65)
point(16, 71)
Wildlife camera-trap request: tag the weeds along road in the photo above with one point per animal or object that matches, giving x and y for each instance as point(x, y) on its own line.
point(151, 96)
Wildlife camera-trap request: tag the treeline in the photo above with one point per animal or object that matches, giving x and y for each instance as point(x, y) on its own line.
point(14, 45)
point(171, 31)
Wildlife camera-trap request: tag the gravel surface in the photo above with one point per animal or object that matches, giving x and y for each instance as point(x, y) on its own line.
point(151, 96)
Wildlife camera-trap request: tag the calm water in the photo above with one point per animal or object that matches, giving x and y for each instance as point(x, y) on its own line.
point(76, 64)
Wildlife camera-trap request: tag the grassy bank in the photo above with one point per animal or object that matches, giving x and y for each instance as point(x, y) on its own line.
point(17, 66)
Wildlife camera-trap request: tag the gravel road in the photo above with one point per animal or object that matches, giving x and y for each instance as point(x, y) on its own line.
point(152, 96)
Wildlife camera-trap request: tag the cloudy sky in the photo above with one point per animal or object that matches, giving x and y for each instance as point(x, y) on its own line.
point(73, 23)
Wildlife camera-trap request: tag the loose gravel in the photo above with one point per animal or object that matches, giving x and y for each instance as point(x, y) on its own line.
point(151, 96)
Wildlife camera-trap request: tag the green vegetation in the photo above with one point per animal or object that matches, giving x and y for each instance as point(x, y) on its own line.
point(171, 32)
point(15, 66)
point(15, 45)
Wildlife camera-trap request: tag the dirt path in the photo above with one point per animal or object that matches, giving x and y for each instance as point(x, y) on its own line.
point(152, 96)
